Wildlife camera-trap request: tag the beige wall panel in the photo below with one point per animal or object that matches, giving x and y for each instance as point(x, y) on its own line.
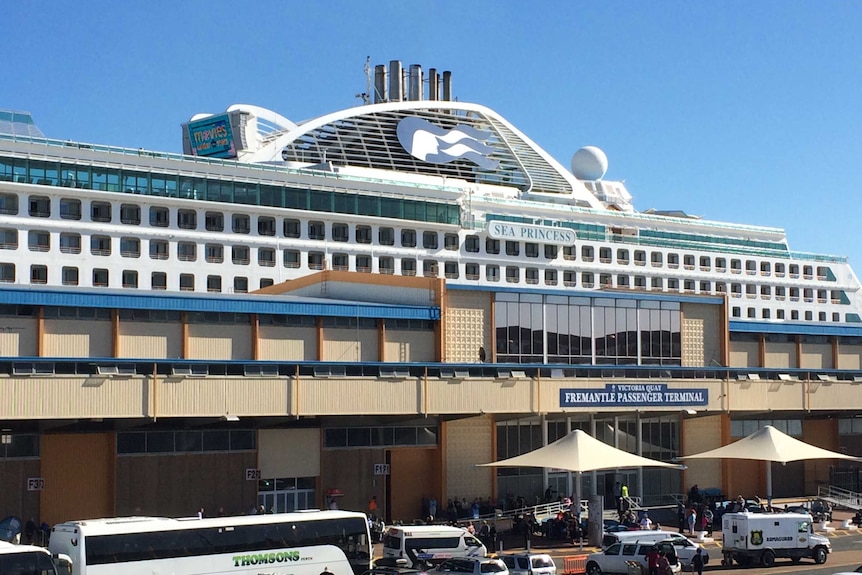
point(287, 343)
point(79, 476)
point(208, 341)
point(849, 356)
point(468, 325)
point(73, 397)
point(289, 452)
point(77, 338)
point(359, 397)
point(765, 395)
point(350, 344)
point(469, 441)
point(18, 336)
point(780, 354)
point(214, 397)
point(478, 395)
point(816, 356)
point(701, 434)
point(744, 354)
point(833, 396)
point(149, 339)
point(701, 344)
point(403, 346)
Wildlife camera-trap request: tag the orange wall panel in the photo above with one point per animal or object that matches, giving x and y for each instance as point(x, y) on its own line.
point(79, 476)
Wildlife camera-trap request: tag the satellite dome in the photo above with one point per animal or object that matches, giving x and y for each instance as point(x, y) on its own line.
point(589, 163)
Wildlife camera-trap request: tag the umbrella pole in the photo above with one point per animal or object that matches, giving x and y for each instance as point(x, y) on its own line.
point(577, 503)
point(769, 484)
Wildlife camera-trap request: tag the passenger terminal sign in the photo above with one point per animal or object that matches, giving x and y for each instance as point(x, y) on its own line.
point(634, 395)
point(528, 233)
point(212, 137)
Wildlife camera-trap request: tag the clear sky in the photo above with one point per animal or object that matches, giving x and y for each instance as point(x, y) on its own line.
point(745, 111)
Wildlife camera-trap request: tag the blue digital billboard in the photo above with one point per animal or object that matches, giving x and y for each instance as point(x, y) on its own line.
point(212, 137)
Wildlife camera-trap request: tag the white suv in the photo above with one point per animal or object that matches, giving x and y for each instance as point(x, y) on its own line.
point(614, 558)
point(529, 564)
point(470, 566)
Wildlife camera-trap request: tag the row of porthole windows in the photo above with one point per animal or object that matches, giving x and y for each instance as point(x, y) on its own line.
point(766, 313)
point(101, 211)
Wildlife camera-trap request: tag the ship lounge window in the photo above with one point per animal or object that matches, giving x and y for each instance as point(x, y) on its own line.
point(673, 261)
point(266, 226)
point(822, 272)
point(214, 253)
point(720, 264)
point(451, 270)
point(765, 292)
point(736, 311)
point(752, 313)
point(736, 289)
point(7, 273)
point(158, 249)
point(241, 224)
point(429, 268)
point(450, 242)
point(363, 264)
point(655, 259)
point(292, 228)
point(570, 279)
point(688, 286)
point(70, 209)
point(688, 261)
point(765, 269)
point(214, 221)
point(291, 258)
point(100, 245)
point(551, 277)
point(471, 271)
point(605, 256)
point(266, 282)
point(9, 204)
point(100, 277)
point(735, 266)
point(386, 265)
point(69, 276)
point(187, 251)
point(750, 267)
point(705, 263)
point(159, 217)
point(794, 315)
point(657, 283)
point(640, 258)
point(240, 284)
point(765, 313)
point(100, 212)
point(386, 237)
point(70, 243)
point(492, 246)
point(794, 271)
point(807, 272)
point(187, 282)
point(38, 241)
point(492, 273)
point(316, 231)
point(587, 253)
point(408, 238)
point(266, 257)
point(159, 281)
point(240, 255)
point(622, 281)
point(531, 250)
point(531, 276)
point(836, 317)
point(750, 291)
point(780, 292)
point(408, 267)
point(821, 296)
point(8, 239)
point(130, 247)
point(551, 251)
point(794, 294)
point(605, 281)
point(341, 262)
point(40, 207)
point(471, 244)
point(430, 240)
point(38, 274)
point(587, 280)
point(130, 279)
point(340, 232)
point(640, 282)
point(513, 274)
point(779, 314)
point(316, 260)
point(130, 214)
point(808, 295)
point(214, 284)
point(513, 248)
point(623, 257)
point(363, 234)
point(569, 253)
point(705, 287)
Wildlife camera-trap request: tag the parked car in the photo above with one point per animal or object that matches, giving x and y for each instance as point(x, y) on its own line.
point(471, 566)
point(614, 558)
point(529, 564)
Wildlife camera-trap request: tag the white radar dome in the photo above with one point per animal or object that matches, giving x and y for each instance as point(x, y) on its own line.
point(589, 163)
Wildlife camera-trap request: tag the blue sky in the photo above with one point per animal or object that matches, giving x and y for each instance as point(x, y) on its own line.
point(738, 111)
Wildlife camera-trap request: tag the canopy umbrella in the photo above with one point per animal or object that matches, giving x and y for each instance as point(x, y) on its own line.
point(769, 444)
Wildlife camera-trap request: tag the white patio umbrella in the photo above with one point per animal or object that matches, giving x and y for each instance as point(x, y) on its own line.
point(769, 444)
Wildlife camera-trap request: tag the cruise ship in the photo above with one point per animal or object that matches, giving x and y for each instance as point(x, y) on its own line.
point(412, 182)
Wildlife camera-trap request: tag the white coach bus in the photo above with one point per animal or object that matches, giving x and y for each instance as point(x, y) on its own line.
point(303, 543)
point(31, 560)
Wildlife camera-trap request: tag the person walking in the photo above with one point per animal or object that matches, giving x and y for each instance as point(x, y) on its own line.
point(697, 561)
point(652, 558)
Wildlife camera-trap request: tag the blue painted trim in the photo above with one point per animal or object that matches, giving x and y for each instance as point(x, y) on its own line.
point(681, 298)
point(794, 328)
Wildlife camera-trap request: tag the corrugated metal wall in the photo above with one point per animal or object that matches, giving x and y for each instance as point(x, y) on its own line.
point(405, 346)
point(15, 499)
point(18, 336)
point(350, 344)
point(79, 476)
point(151, 340)
point(78, 338)
point(213, 341)
point(287, 343)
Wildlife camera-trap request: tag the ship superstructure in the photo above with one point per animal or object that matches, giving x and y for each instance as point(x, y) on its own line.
point(409, 183)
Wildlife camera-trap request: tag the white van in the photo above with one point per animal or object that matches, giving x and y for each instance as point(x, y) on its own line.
point(423, 544)
point(609, 539)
